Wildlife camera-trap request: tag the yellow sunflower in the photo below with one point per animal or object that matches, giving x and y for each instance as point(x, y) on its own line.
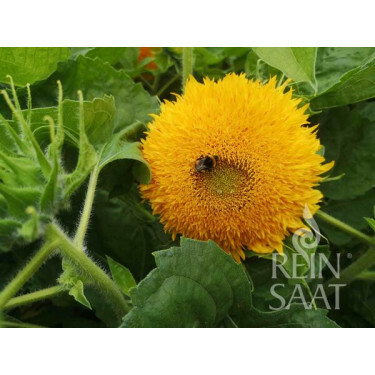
point(235, 162)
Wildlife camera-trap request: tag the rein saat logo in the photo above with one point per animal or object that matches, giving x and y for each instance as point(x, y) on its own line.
point(301, 262)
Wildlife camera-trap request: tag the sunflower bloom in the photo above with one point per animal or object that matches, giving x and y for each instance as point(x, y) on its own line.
point(233, 161)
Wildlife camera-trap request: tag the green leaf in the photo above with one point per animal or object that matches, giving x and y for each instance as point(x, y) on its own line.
point(119, 148)
point(355, 86)
point(180, 302)
point(357, 305)
point(332, 63)
point(7, 134)
point(256, 68)
point(19, 171)
point(296, 317)
point(195, 285)
point(124, 55)
point(50, 190)
point(11, 138)
point(209, 55)
point(122, 276)
point(297, 63)
point(260, 270)
point(75, 282)
point(77, 291)
point(98, 117)
point(290, 257)
point(121, 227)
point(113, 55)
point(96, 78)
point(97, 130)
point(87, 159)
point(295, 264)
point(18, 199)
point(349, 138)
point(99, 127)
point(29, 64)
point(77, 51)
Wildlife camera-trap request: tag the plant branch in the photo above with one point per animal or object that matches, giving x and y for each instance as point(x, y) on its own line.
point(166, 86)
point(87, 208)
point(361, 264)
point(34, 297)
point(366, 275)
point(24, 275)
point(352, 272)
point(346, 228)
point(95, 274)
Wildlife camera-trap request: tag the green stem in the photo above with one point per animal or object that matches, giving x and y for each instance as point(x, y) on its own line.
point(87, 208)
point(162, 90)
point(34, 297)
point(187, 64)
point(350, 273)
point(24, 275)
point(361, 264)
point(366, 275)
point(155, 83)
point(345, 228)
point(144, 80)
point(96, 275)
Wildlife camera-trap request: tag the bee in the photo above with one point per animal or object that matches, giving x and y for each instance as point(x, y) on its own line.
point(206, 163)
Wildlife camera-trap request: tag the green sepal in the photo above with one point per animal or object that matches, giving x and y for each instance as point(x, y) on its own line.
point(122, 276)
point(77, 292)
point(370, 222)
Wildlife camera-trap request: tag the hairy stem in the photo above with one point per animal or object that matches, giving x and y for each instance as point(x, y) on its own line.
point(345, 228)
point(34, 297)
point(60, 118)
point(96, 275)
point(187, 64)
point(87, 208)
point(24, 275)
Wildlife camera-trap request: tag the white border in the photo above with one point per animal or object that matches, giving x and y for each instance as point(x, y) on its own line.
point(185, 351)
point(186, 23)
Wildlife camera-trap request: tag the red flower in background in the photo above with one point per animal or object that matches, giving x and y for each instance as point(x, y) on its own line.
point(145, 52)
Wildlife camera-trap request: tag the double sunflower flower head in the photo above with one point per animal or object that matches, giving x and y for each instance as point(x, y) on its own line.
point(234, 161)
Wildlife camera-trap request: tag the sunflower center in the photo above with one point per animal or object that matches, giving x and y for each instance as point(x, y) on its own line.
point(224, 180)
